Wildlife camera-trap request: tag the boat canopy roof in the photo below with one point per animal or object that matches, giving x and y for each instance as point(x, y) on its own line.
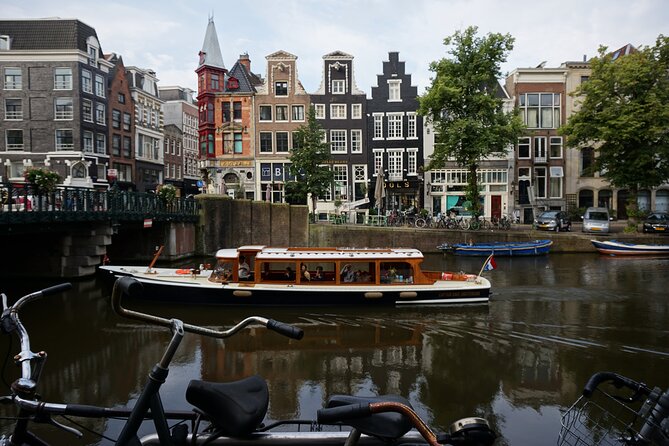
point(320, 254)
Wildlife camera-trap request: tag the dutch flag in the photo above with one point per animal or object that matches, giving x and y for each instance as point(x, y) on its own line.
point(490, 264)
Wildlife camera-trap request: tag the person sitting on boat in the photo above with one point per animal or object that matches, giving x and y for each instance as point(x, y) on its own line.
point(347, 274)
point(319, 273)
point(290, 275)
point(304, 274)
point(244, 269)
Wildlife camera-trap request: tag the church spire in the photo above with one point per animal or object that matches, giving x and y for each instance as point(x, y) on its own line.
point(210, 55)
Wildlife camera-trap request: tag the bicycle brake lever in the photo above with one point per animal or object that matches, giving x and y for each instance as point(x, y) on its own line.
point(47, 419)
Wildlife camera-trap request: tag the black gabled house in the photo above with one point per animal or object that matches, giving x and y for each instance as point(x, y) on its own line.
point(395, 137)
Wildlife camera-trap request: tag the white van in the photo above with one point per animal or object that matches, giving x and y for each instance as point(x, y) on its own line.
point(596, 220)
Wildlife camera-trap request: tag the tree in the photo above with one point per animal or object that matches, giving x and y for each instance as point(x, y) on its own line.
point(624, 114)
point(310, 157)
point(469, 121)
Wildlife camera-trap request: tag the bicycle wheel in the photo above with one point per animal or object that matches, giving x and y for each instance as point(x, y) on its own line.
point(420, 223)
point(474, 224)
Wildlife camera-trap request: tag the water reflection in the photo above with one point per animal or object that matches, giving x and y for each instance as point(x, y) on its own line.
point(552, 321)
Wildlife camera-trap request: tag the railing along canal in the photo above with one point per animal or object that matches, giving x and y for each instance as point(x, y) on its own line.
point(70, 204)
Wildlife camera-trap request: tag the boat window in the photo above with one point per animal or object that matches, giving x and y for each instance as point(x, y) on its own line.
point(357, 272)
point(222, 271)
point(319, 272)
point(277, 271)
point(396, 272)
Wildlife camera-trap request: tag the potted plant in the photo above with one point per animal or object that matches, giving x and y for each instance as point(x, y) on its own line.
point(41, 180)
point(167, 193)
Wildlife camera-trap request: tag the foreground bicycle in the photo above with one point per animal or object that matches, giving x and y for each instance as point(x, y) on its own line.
point(224, 413)
point(616, 410)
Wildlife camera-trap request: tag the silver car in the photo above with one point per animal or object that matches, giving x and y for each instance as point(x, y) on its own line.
point(596, 220)
point(553, 221)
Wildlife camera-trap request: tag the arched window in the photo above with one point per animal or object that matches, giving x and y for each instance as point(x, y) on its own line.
point(586, 198)
point(79, 170)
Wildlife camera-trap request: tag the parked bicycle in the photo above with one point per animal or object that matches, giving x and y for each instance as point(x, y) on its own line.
point(616, 410)
point(224, 413)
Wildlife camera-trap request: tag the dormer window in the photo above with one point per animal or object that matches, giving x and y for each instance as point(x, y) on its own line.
point(93, 47)
point(4, 42)
point(233, 83)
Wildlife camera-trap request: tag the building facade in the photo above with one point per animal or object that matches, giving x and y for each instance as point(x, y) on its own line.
point(121, 124)
point(149, 137)
point(54, 100)
point(281, 106)
point(340, 107)
point(395, 135)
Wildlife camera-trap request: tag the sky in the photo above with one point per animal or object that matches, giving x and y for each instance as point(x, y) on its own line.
point(167, 35)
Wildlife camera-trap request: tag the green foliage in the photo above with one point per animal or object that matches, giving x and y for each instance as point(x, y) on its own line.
point(295, 192)
point(167, 193)
point(624, 113)
point(462, 103)
point(310, 158)
point(42, 179)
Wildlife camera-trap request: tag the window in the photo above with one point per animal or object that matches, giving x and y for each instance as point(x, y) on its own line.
point(378, 161)
point(281, 88)
point(411, 125)
point(556, 147)
point(265, 142)
point(394, 91)
point(92, 55)
point(282, 141)
point(238, 143)
point(265, 112)
point(540, 110)
point(540, 149)
point(540, 182)
point(126, 121)
point(62, 79)
point(338, 86)
point(555, 182)
point(116, 119)
point(319, 111)
point(121, 98)
point(394, 125)
point(225, 110)
point(378, 126)
point(14, 139)
point(64, 109)
point(296, 140)
point(282, 113)
point(360, 181)
point(587, 162)
point(127, 147)
point(13, 109)
point(100, 114)
point(341, 181)
point(337, 111)
point(356, 141)
point(524, 145)
point(13, 79)
point(394, 165)
point(298, 113)
point(86, 81)
point(337, 141)
point(100, 144)
point(215, 81)
point(87, 110)
point(412, 161)
point(237, 110)
point(99, 86)
point(88, 142)
point(116, 145)
point(64, 139)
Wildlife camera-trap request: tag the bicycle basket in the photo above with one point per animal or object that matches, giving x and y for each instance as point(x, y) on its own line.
point(601, 419)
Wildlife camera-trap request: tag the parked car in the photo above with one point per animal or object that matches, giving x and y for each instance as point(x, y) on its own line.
point(596, 220)
point(656, 222)
point(553, 221)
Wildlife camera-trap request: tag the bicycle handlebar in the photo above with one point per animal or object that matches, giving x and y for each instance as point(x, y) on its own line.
point(133, 288)
point(617, 380)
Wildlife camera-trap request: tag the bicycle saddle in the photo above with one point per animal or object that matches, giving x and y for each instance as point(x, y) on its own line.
point(386, 425)
point(236, 408)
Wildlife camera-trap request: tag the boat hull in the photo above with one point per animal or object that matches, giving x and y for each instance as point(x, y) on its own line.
point(613, 247)
point(165, 286)
point(509, 249)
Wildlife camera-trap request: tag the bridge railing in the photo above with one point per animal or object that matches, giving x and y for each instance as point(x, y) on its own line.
point(24, 204)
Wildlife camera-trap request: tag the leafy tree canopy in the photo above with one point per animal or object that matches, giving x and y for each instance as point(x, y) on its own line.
point(310, 158)
point(463, 103)
point(624, 114)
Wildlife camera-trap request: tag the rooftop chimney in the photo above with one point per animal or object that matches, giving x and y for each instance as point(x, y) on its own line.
point(244, 60)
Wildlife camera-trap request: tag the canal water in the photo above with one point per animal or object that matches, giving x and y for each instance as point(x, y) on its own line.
point(518, 361)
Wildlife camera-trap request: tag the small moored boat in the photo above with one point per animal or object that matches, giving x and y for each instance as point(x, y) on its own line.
point(614, 247)
point(259, 275)
point(530, 248)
